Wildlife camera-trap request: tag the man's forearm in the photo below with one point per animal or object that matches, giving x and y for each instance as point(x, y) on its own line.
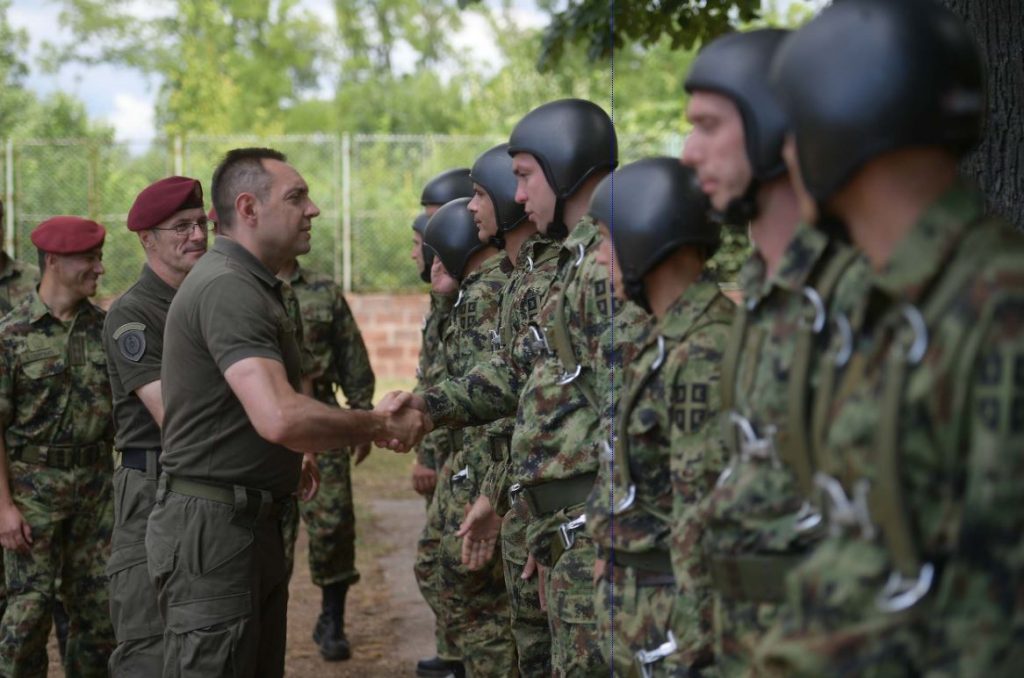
point(311, 426)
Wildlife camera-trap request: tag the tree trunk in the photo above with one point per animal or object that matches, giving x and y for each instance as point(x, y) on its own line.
point(998, 163)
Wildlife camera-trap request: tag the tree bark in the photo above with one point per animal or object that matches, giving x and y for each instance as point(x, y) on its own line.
point(997, 165)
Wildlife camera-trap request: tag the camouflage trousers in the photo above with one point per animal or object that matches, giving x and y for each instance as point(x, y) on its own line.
point(221, 586)
point(475, 603)
point(739, 627)
point(530, 628)
point(575, 644)
point(70, 514)
point(425, 569)
point(134, 612)
point(633, 616)
point(330, 523)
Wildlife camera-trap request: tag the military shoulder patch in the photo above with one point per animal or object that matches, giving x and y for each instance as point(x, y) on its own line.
point(131, 341)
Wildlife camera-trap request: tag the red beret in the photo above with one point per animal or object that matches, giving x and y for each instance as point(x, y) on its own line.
point(159, 201)
point(68, 235)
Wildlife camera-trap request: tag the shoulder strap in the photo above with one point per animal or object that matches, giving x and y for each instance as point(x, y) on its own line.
point(562, 342)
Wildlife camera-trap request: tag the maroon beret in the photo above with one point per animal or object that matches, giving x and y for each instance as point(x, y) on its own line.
point(159, 201)
point(68, 235)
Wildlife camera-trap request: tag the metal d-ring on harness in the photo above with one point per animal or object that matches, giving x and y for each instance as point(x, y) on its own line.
point(645, 658)
point(567, 530)
point(563, 342)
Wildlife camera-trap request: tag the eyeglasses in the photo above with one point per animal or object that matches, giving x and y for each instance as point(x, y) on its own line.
point(183, 229)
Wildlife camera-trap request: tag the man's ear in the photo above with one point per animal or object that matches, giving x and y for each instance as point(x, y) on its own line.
point(245, 207)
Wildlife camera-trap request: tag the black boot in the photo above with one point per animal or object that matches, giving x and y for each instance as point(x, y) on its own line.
point(60, 623)
point(329, 633)
point(435, 667)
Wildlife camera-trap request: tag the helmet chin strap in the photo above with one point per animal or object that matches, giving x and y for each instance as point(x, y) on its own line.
point(635, 292)
point(425, 276)
point(557, 228)
point(742, 210)
point(497, 241)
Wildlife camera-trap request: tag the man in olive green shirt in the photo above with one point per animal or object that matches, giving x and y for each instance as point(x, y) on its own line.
point(233, 422)
point(171, 223)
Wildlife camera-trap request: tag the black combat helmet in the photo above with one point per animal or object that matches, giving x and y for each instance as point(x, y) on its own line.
point(870, 76)
point(652, 208)
point(452, 234)
point(419, 224)
point(447, 186)
point(571, 139)
point(493, 171)
point(737, 67)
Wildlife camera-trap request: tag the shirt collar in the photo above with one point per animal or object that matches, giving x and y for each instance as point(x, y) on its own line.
point(39, 310)
point(684, 313)
point(155, 284)
point(930, 242)
point(234, 251)
point(798, 261)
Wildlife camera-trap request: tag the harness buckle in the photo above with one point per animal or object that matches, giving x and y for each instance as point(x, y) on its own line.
point(844, 513)
point(644, 658)
point(899, 594)
point(567, 530)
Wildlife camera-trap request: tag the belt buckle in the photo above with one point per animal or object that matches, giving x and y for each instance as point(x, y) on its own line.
point(567, 530)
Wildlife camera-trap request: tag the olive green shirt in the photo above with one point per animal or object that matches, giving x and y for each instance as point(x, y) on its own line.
point(133, 338)
point(229, 308)
point(53, 377)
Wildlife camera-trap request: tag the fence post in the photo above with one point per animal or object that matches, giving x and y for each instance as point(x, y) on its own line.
point(346, 202)
point(9, 205)
point(179, 156)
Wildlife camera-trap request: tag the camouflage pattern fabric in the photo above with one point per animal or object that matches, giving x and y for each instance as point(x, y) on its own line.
point(955, 460)
point(755, 509)
point(338, 358)
point(474, 604)
point(575, 640)
point(54, 392)
point(530, 627)
point(669, 441)
point(18, 280)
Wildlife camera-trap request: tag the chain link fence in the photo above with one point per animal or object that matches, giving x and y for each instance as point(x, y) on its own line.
point(367, 188)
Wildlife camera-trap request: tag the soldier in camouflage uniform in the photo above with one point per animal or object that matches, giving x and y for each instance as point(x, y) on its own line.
point(17, 281)
point(55, 490)
point(919, 470)
point(474, 602)
point(560, 151)
point(759, 521)
point(337, 357)
point(171, 223)
point(435, 449)
point(653, 599)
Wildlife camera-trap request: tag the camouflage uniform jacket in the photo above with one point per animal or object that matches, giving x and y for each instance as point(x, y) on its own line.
point(925, 445)
point(755, 508)
point(331, 337)
point(434, 449)
point(668, 446)
point(491, 390)
point(54, 388)
point(468, 339)
point(558, 432)
point(17, 281)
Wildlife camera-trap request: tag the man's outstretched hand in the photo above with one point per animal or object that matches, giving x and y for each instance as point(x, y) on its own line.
point(406, 422)
point(479, 532)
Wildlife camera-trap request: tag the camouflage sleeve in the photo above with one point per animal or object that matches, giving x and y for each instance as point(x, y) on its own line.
point(6, 388)
point(698, 458)
point(349, 360)
point(488, 392)
point(991, 533)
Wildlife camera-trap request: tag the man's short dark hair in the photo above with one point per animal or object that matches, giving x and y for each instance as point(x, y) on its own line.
point(42, 261)
point(241, 171)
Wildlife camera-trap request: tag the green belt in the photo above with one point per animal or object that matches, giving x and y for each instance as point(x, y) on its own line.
point(654, 560)
point(556, 495)
point(61, 456)
point(251, 505)
point(755, 578)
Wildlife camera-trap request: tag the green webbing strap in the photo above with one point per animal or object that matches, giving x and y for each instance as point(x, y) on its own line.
point(563, 344)
point(730, 365)
point(887, 504)
point(797, 450)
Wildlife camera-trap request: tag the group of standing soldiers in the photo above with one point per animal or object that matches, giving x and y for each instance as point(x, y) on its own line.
point(83, 391)
point(632, 474)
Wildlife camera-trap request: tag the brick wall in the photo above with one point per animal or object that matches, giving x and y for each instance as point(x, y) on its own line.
point(391, 324)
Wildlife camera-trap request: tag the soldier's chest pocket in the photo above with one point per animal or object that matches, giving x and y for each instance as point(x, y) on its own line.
point(316, 325)
point(40, 365)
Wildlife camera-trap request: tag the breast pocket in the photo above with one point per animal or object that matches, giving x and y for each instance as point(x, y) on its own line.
point(45, 366)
